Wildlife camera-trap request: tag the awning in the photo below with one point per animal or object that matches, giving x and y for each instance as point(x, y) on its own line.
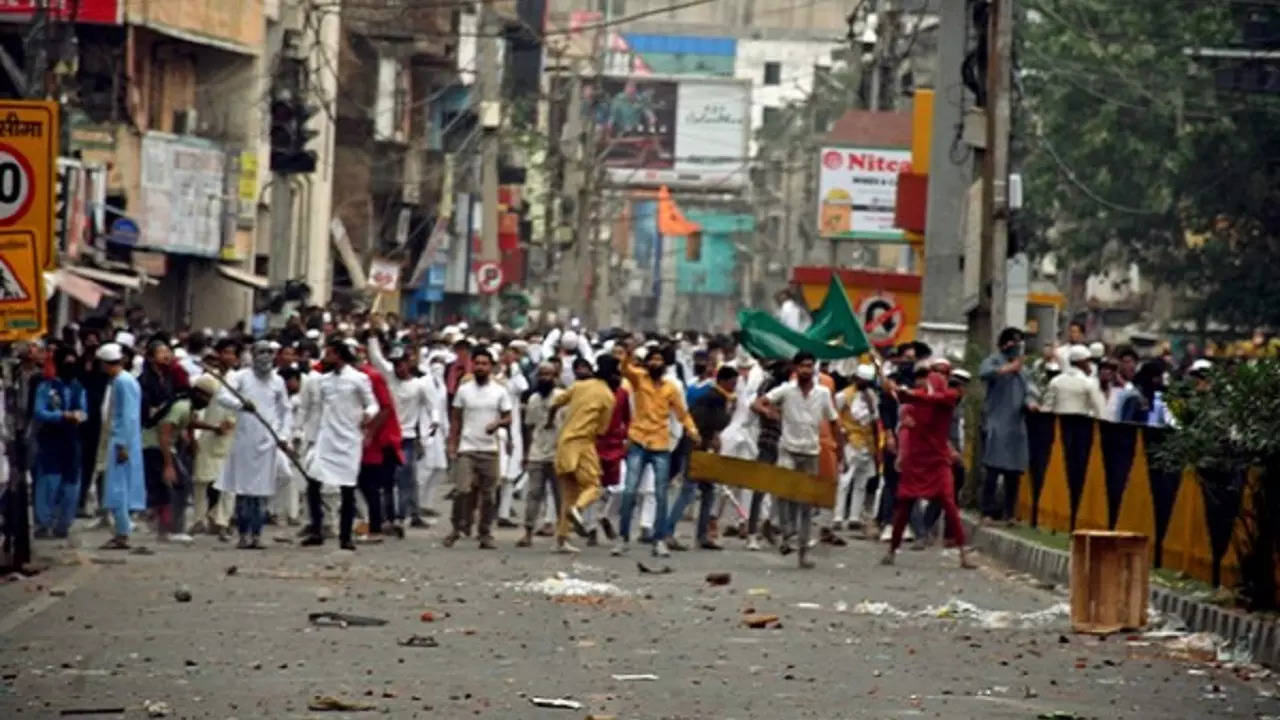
point(244, 277)
point(133, 282)
point(83, 289)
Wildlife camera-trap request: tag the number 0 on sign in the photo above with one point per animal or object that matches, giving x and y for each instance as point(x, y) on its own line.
point(16, 185)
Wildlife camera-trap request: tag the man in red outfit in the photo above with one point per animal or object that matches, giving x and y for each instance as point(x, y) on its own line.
point(925, 459)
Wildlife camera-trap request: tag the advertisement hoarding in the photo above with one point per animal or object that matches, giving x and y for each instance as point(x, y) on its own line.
point(685, 132)
point(183, 190)
point(857, 191)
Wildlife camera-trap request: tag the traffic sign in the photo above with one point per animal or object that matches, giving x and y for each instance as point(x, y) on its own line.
point(22, 308)
point(489, 278)
point(28, 157)
point(882, 318)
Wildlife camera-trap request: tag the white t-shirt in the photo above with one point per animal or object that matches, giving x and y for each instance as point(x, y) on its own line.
point(480, 405)
point(801, 415)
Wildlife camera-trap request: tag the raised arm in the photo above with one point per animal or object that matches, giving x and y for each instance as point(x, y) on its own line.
point(376, 357)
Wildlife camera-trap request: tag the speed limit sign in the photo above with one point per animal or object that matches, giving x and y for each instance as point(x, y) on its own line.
point(28, 157)
point(16, 185)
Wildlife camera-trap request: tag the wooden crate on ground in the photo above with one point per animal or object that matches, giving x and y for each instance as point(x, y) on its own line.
point(1110, 581)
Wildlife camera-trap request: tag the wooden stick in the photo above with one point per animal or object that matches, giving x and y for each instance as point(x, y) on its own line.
point(280, 443)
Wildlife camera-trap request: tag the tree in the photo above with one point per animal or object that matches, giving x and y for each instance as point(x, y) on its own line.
point(1133, 154)
point(1229, 432)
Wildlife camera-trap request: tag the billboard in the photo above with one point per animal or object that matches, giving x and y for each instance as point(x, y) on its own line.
point(183, 195)
point(103, 12)
point(688, 132)
point(857, 191)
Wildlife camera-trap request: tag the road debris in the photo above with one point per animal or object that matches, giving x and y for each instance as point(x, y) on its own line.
point(646, 570)
point(418, 641)
point(955, 609)
point(757, 592)
point(718, 578)
point(336, 619)
point(232, 570)
point(427, 616)
point(108, 561)
point(759, 621)
point(182, 594)
point(66, 712)
point(809, 606)
point(634, 677)
point(561, 703)
point(330, 703)
point(157, 709)
point(564, 585)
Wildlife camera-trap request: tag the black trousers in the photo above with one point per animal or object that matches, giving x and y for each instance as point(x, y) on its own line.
point(993, 508)
point(346, 511)
point(377, 483)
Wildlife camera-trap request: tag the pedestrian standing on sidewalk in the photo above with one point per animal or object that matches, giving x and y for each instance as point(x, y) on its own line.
point(59, 409)
point(346, 405)
point(588, 411)
point(480, 408)
point(802, 406)
point(1005, 450)
point(540, 431)
point(124, 489)
point(250, 470)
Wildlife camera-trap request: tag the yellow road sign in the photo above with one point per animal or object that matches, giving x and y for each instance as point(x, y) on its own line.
point(28, 159)
point(22, 307)
point(783, 483)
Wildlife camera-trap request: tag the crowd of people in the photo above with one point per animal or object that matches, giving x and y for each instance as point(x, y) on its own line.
point(222, 434)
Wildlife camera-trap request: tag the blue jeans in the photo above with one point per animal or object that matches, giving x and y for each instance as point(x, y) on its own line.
point(407, 482)
point(637, 458)
point(56, 498)
point(249, 514)
point(682, 501)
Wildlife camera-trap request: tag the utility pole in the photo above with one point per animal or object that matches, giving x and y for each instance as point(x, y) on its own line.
point(491, 119)
point(992, 312)
point(569, 267)
point(943, 323)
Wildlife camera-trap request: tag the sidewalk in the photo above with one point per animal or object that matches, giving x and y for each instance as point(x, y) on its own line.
point(1050, 561)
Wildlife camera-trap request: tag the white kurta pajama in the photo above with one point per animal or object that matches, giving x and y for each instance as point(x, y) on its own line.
point(250, 469)
point(346, 402)
point(512, 463)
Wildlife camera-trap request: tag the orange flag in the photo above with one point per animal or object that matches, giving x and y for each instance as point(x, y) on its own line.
point(673, 222)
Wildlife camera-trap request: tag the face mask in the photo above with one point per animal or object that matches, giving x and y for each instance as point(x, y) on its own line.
point(545, 386)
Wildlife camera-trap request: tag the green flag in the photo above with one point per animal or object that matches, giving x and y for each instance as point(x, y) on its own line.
point(835, 333)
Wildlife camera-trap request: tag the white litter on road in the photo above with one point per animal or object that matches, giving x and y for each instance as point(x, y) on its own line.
point(955, 609)
point(564, 585)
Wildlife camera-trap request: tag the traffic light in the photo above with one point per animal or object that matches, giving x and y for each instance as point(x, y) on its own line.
point(290, 135)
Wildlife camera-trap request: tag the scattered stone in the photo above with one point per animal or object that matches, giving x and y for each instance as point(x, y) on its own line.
point(718, 578)
point(182, 594)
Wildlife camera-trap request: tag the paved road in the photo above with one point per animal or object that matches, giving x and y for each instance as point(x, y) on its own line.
point(865, 644)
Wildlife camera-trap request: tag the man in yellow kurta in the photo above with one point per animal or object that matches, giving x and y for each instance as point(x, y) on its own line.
point(589, 409)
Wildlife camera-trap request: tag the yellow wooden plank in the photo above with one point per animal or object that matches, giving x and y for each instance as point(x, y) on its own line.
point(780, 482)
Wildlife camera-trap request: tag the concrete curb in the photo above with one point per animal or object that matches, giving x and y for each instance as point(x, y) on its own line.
point(1260, 635)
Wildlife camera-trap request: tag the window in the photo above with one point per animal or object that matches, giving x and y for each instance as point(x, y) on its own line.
point(772, 118)
point(773, 73)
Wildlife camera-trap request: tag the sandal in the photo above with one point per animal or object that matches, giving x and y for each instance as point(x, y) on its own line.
point(116, 543)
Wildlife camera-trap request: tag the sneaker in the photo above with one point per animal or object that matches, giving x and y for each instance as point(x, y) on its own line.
point(753, 543)
point(608, 529)
point(312, 540)
point(620, 549)
point(564, 548)
point(660, 549)
point(575, 517)
point(593, 538)
point(676, 545)
point(506, 523)
point(182, 538)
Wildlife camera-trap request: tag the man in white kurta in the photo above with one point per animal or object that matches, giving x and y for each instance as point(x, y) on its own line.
point(346, 405)
point(250, 470)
